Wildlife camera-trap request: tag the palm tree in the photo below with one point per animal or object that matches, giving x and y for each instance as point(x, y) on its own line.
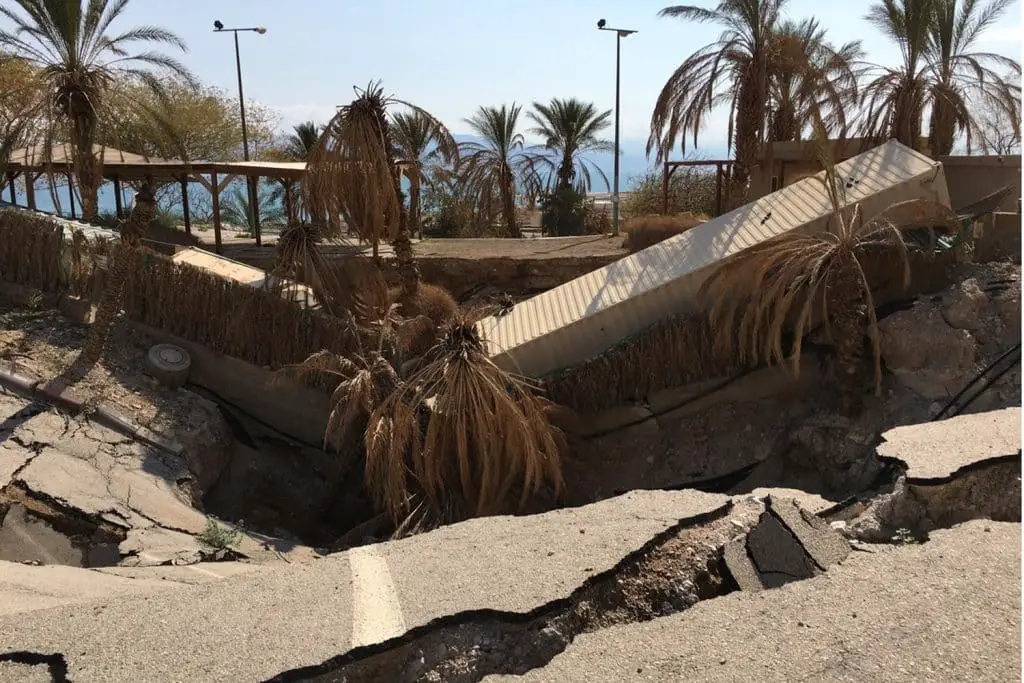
point(570, 129)
point(961, 79)
point(300, 143)
point(236, 209)
point(779, 284)
point(420, 148)
point(734, 70)
point(78, 60)
point(491, 169)
point(353, 172)
point(810, 75)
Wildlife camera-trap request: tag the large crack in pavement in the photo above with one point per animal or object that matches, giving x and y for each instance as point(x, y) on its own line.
point(55, 664)
point(670, 573)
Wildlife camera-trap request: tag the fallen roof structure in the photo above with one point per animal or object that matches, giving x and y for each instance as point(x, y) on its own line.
point(244, 274)
point(584, 317)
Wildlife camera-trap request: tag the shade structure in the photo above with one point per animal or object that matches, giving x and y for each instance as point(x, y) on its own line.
point(581, 319)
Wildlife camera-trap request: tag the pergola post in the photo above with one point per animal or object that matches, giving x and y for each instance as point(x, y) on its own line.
point(118, 202)
point(71, 195)
point(215, 191)
point(30, 189)
point(289, 207)
point(185, 211)
point(718, 189)
point(11, 175)
point(256, 208)
point(664, 189)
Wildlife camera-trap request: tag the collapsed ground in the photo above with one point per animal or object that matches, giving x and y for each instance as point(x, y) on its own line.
point(761, 430)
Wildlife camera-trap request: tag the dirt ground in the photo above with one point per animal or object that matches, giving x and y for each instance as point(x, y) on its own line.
point(41, 342)
point(483, 248)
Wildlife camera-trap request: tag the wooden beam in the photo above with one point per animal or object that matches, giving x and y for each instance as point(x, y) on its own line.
point(664, 189)
point(118, 199)
point(11, 175)
point(215, 186)
point(718, 189)
point(30, 189)
point(71, 195)
point(185, 213)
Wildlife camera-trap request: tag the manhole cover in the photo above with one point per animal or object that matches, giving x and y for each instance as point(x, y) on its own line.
point(169, 363)
point(170, 355)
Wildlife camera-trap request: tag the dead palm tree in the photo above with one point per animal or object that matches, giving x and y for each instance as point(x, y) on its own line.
point(735, 70)
point(421, 147)
point(353, 172)
point(459, 437)
point(570, 129)
point(778, 286)
point(810, 75)
point(492, 169)
point(962, 80)
point(78, 60)
point(120, 261)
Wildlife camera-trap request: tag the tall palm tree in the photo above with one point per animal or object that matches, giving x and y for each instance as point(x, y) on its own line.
point(570, 129)
point(421, 148)
point(734, 70)
point(962, 79)
point(810, 75)
point(300, 143)
point(67, 41)
point(491, 169)
point(353, 172)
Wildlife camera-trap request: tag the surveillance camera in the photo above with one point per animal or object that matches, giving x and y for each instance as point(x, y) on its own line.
point(217, 25)
point(601, 23)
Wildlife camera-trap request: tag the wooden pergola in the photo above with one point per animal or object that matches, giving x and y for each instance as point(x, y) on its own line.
point(722, 167)
point(120, 166)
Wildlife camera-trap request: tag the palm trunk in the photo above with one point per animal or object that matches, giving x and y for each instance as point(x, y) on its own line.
point(405, 261)
point(414, 203)
point(907, 113)
point(87, 167)
point(121, 259)
point(749, 122)
point(942, 127)
point(508, 206)
point(848, 319)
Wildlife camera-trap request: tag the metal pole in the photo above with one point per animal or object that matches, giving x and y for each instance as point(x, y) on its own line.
point(253, 205)
point(615, 196)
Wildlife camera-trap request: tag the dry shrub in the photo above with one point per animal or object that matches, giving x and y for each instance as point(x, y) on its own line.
point(671, 353)
point(428, 310)
point(646, 231)
point(459, 437)
point(30, 248)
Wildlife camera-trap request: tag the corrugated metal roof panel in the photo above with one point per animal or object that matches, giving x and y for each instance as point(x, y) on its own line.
point(567, 325)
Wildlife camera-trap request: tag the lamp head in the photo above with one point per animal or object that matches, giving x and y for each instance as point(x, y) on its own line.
point(260, 30)
point(601, 23)
point(217, 26)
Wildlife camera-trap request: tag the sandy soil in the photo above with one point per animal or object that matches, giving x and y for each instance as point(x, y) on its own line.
point(41, 342)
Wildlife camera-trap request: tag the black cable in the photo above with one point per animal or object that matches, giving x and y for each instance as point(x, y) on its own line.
point(1015, 349)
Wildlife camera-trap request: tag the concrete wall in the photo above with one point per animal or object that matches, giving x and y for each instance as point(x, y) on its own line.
point(289, 408)
point(972, 177)
point(1000, 238)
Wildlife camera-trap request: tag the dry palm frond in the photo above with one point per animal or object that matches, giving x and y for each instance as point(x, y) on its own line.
point(460, 434)
point(779, 286)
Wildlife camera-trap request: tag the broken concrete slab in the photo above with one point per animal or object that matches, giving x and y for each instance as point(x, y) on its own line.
point(26, 588)
point(558, 551)
point(787, 544)
point(938, 450)
point(824, 546)
point(24, 538)
point(910, 613)
point(156, 546)
point(256, 625)
point(192, 574)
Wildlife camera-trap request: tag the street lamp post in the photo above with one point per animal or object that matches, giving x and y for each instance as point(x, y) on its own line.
point(620, 33)
point(218, 27)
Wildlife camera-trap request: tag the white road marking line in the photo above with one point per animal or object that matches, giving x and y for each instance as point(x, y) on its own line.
point(376, 613)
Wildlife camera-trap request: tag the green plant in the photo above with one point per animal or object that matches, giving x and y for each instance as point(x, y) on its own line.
point(570, 129)
point(236, 210)
point(218, 537)
point(562, 212)
point(691, 188)
point(904, 536)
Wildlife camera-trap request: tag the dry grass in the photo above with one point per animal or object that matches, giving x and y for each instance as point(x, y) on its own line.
point(671, 353)
point(435, 308)
point(253, 324)
point(459, 437)
point(646, 231)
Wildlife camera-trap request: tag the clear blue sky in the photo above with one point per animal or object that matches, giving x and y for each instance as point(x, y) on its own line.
point(450, 56)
